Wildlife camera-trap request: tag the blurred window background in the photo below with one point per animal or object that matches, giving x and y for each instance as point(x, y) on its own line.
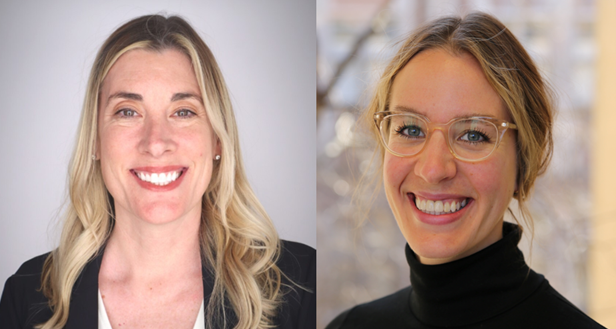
point(361, 260)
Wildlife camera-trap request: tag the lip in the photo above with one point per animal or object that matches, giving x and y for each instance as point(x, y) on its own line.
point(443, 219)
point(157, 170)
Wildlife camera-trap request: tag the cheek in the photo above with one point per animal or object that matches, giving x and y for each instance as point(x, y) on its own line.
point(116, 144)
point(199, 144)
point(197, 147)
point(115, 147)
point(395, 171)
point(198, 139)
point(494, 179)
point(111, 143)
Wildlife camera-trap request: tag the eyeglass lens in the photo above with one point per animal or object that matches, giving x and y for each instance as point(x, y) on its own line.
point(470, 139)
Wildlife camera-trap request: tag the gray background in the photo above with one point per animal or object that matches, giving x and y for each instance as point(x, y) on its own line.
point(266, 50)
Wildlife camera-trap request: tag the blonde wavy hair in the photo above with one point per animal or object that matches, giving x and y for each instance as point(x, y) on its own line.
point(510, 71)
point(238, 240)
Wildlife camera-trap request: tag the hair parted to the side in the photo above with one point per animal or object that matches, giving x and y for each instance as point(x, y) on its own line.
point(238, 240)
point(510, 71)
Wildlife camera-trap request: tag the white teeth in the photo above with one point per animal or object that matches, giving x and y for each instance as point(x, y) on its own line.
point(439, 207)
point(160, 179)
point(430, 205)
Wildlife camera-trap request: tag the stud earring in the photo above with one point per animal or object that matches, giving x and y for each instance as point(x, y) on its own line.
point(217, 157)
point(93, 157)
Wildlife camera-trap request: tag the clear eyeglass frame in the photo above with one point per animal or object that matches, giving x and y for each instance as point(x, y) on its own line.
point(500, 125)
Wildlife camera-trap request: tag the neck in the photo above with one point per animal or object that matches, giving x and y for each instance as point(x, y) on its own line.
point(494, 235)
point(151, 251)
point(473, 289)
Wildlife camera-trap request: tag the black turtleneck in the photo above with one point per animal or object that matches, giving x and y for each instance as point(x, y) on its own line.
point(493, 288)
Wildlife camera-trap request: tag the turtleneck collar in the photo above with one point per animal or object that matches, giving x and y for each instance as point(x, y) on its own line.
point(474, 288)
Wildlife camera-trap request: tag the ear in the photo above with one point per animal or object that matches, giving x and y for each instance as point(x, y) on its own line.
point(97, 151)
point(519, 176)
point(97, 147)
point(217, 147)
point(97, 137)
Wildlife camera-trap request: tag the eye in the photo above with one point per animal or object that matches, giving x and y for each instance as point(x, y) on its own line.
point(411, 131)
point(185, 113)
point(127, 113)
point(474, 136)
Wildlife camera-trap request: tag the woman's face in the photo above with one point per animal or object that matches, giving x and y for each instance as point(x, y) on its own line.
point(155, 142)
point(442, 87)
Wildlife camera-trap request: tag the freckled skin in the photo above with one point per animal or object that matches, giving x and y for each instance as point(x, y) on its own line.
point(442, 87)
point(156, 136)
point(164, 288)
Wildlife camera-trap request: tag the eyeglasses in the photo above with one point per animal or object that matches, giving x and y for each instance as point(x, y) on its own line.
point(469, 139)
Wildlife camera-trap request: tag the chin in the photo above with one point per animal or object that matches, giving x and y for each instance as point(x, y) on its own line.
point(161, 213)
point(437, 248)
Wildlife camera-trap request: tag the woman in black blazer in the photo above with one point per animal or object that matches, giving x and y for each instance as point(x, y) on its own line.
point(162, 229)
point(464, 121)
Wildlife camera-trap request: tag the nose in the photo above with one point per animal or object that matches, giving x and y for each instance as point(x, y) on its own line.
point(156, 137)
point(435, 163)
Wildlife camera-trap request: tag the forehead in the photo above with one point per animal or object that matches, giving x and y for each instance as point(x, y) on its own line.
point(443, 86)
point(140, 70)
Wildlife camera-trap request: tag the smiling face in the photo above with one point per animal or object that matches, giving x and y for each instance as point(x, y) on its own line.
point(155, 142)
point(441, 87)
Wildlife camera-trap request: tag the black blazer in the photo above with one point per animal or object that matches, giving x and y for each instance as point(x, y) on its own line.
point(24, 306)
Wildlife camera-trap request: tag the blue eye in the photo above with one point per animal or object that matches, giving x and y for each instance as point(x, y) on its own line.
point(127, 113)
point(473, 136)
point(411, 131)
point(184, 113)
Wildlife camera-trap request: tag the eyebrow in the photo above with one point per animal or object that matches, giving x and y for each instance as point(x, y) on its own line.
point(122, 94)
point(400, 108)
point(137, 97)
point(180, 96)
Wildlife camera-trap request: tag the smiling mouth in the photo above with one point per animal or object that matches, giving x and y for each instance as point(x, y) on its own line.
point(440, 207)
point(160, 179)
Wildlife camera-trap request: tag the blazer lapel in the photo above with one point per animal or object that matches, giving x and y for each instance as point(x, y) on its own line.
point(83, 312)
point(208, 287)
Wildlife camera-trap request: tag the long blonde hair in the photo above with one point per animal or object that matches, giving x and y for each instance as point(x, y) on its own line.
point(510, 71)
point(238, 240)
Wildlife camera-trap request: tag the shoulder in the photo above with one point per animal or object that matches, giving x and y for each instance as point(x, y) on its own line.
point(543, 308)
point(297, 248)
point(297, 262)
point(294, 253)
point(549, 308)
point(28, 276)
point(33, 266)
point(22, 303)
point(391, 311)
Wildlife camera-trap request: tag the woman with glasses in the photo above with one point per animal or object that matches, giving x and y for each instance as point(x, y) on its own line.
point(464, 122)
point(162, 229)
